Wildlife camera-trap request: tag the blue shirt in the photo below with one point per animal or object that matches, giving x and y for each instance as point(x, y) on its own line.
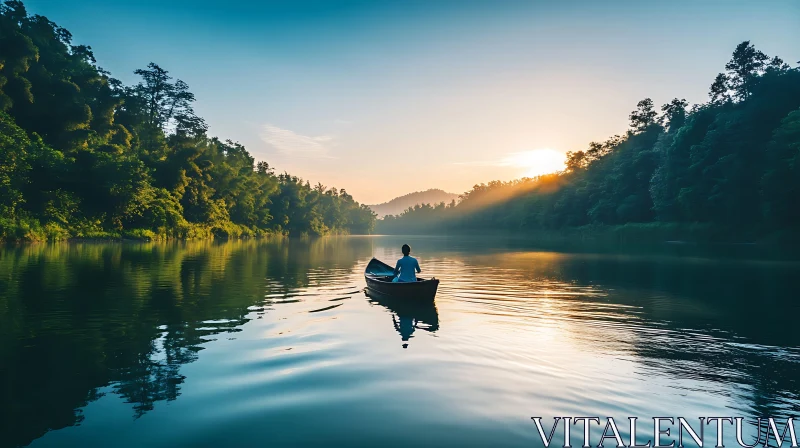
point(406, 267)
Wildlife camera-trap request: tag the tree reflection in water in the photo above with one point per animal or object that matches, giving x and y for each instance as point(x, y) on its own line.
point(75, 318)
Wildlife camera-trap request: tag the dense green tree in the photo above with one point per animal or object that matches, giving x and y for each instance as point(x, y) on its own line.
point(781, 181)
point(719, 92)
point(163, 104)
point(83, 155)
point(674, 114)
point(744, 69)
point(643, 116)
point(14, 165)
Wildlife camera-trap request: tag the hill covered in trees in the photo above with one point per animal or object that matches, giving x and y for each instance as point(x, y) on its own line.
point(82, 155)
point(731, 164)
point(402, 203)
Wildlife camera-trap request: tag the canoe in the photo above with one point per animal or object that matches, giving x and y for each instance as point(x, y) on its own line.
point(379, 283)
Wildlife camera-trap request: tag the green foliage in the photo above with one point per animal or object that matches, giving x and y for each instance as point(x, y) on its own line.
point(81, 155)
point(781, 181)
point(14, 165)
point(644, 115)
point(674, 113)
point(731, 165)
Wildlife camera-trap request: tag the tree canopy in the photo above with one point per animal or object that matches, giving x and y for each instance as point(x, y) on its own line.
point(84, 156)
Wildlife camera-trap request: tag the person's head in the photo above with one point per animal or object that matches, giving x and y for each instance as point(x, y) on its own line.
point(406, 249)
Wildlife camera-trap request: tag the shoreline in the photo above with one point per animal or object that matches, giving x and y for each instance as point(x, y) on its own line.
point(620, 236)
point(669, 234)
point(157, 239)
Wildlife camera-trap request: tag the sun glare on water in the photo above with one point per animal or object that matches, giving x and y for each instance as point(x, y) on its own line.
point(538, 161)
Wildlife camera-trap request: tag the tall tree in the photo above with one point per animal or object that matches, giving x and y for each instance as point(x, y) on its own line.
point(744, 67)
point(643, 116)
point(674, 114)
point(164, 104)
point(719, 91)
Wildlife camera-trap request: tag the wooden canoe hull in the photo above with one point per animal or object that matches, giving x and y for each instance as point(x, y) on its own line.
point(421, 290)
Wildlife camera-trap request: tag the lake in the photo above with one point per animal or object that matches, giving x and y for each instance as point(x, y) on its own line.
point(274, 342)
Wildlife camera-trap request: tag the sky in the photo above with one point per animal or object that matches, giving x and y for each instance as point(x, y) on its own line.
point(384, 98)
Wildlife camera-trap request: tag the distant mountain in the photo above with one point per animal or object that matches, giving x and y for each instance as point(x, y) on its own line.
point(397, 205)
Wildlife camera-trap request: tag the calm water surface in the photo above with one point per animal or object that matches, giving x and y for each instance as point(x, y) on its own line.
point(274, 343)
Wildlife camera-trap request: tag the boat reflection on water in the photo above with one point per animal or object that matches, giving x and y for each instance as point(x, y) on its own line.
point(408, 315)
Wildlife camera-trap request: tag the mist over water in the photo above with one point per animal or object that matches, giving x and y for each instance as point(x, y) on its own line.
point(274, 343)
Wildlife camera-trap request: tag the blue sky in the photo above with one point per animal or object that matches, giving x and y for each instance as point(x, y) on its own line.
point(388, 97)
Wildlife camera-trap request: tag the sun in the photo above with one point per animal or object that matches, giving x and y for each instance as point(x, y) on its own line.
point(537, 162)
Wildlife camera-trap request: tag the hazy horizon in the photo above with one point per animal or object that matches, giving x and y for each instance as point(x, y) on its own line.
point(384, 99)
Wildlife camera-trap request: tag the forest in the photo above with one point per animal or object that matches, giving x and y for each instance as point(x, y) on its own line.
point(728, 167)
point(84, 156)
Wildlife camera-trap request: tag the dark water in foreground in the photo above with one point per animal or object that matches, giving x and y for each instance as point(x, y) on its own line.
point(274, 343)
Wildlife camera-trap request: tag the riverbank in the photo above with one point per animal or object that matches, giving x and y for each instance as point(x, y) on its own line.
point(32, 231)
point(629, 234)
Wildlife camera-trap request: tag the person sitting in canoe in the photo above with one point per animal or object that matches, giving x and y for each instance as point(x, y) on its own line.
point(406, 267)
